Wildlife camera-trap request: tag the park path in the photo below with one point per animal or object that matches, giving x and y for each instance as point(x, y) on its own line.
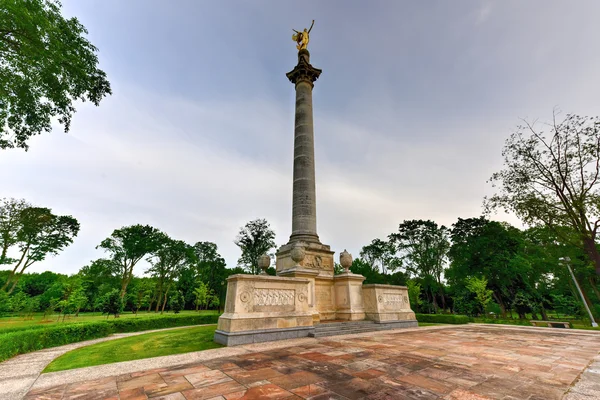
point(18, 374)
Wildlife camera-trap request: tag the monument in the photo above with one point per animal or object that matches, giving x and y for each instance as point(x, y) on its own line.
point(305, 292)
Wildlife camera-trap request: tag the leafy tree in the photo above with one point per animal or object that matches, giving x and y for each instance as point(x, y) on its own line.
point(5, 303)
point(414, 294)
point(46, 65)
point(551, 178)
point(99, 277)
point(10, 224)
point(423, 248)
point(127, 246)
point(176, 303)
point(112, 303)
point(255, 239)
point(492, 250)
point(210, 267)
point(201, 294)
point(41, 233)
point(478, 286)
point(167, 263)
point(381, 254)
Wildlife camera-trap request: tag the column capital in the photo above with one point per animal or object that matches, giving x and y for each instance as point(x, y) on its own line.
point(303, 71)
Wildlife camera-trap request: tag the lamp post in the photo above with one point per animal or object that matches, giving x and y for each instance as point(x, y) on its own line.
point(567, 262)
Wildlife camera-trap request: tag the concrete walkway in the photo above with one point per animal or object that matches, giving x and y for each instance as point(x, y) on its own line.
point(438, 362)
point(18, 374)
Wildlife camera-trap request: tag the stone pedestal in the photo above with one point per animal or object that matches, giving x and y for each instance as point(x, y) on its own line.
point(387, 303)
point(349, 297)
point(262, 308)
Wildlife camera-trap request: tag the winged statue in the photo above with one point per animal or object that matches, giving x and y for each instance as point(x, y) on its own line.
point(302, 38)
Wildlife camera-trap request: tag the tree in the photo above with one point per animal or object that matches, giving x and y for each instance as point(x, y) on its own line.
point(423, 248)
point(201, 294)
point(255, 239)
point(10, 223)
point(40, 233)
point(167, 263)
point(551, 178)
point(478, 286)
point(380, 254)
point(176, 303)
point(491, 250)
point(112, 303)
point(46, 65)
point(127, 246)
point(210, 267)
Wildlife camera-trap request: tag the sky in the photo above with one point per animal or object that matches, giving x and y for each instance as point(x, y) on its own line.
point(410, 114)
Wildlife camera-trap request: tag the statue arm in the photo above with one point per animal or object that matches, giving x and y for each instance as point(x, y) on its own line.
point(295, 31)
point(311, 26)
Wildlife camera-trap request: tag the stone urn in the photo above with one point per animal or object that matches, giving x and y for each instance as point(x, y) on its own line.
point(264, 262)
point(298, 253)
point(346, 260)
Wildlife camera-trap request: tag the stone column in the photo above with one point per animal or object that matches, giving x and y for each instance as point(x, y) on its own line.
point(304, 206)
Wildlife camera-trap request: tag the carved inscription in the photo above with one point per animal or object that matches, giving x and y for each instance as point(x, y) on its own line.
point(273, 297)
point(391, 299)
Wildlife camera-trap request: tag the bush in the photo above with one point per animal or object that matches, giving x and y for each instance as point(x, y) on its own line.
point(177, 302)
point(443, 318)
point(37, 338)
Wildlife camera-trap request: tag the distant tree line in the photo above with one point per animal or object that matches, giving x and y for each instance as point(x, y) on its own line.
point(478, 266)
point(180, 276)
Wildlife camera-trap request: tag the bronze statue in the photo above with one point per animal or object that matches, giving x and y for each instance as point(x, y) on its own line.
point(302, 37)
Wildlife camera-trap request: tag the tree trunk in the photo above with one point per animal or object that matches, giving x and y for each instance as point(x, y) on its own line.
point(589, 244)
point(543, 312)
point(500, 304)
point(12, 273)
point(592, 281)
point(164, 304)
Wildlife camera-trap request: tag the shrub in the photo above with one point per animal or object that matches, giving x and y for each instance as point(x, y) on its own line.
point(177, 302)
point(37, 338)
point(443, 318)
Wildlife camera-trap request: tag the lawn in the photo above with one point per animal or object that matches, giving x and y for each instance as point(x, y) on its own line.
point(17, 323)
point(156, 344)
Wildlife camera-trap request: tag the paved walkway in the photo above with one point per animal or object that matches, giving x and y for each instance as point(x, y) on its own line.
point(473, 362)
point(18, 374)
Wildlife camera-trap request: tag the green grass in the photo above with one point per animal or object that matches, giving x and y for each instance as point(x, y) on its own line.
point(156, 344)
point(11, 324)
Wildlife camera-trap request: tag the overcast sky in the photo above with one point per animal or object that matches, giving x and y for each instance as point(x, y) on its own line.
point(410, 113)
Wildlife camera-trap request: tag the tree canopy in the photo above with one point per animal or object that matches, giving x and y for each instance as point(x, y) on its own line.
point(46, 65)
point(255, 239)
point(551, 177)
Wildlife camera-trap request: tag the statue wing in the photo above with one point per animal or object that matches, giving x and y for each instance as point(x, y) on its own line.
point(295, 37)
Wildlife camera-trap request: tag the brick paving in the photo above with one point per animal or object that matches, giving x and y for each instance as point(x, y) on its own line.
point(466, 363)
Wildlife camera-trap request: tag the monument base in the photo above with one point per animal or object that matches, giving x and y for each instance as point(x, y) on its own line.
point(260, 335)
point(349, 297)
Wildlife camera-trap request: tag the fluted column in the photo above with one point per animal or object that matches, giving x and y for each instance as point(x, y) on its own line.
point(304, 205)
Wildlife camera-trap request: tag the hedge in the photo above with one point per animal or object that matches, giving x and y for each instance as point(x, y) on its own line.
point(25, 341)
point(443, 318)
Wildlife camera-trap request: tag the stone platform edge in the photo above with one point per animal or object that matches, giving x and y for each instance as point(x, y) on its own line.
point(261, 335)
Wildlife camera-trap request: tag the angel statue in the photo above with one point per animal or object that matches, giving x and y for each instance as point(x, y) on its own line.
point(302, 37)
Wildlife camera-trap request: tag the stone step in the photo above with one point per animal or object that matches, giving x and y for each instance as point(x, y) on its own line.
point(343, 332)
point(342, 324)
point(343, 328)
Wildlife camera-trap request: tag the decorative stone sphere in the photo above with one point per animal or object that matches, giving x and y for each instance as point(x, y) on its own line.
point(298, 253)
point(264, 262)
point(345, 260)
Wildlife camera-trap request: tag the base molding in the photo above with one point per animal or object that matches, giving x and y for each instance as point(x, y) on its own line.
point(261, 335)
point(397, 324)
